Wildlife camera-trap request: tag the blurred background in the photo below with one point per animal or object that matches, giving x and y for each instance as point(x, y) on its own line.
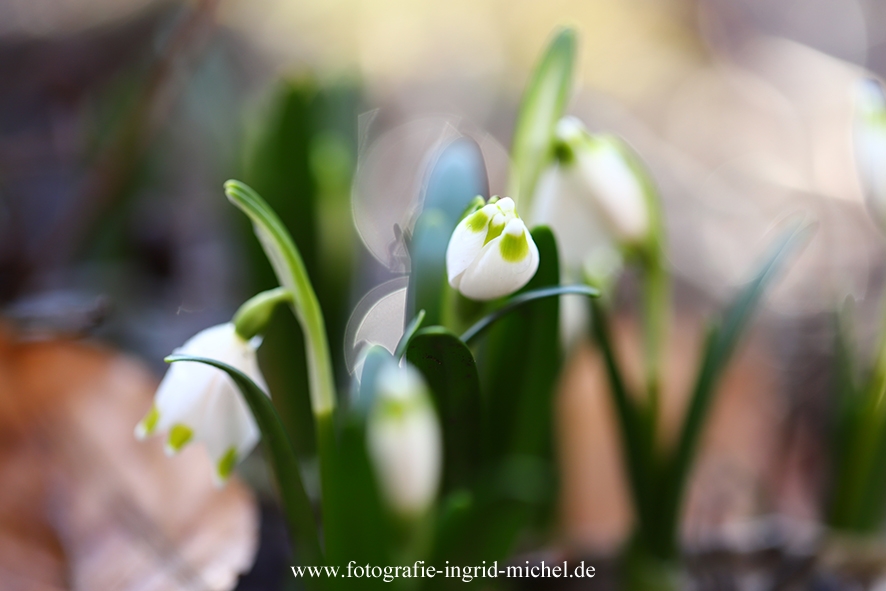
point(120, 120)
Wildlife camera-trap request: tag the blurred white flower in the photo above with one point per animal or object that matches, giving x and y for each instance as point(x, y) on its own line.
point(197, 402)
point(404, 440)
point(870, 145)
point(491, 253)
point(593, 188)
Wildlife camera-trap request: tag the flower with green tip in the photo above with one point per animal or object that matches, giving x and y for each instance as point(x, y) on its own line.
point(870, 146)
point(404, 440)
point(197, 402)
point(491, 252)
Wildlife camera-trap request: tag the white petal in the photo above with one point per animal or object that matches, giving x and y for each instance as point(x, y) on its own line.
point(615, 190)
point(404, 440)
point(198, 402)
point(870, 146)
point(491, 276)
point(562, 203)
point(228, 429)
point(467, 241)
point(407, 452)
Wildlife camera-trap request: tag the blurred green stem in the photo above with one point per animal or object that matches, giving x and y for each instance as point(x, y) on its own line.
point(850, 510)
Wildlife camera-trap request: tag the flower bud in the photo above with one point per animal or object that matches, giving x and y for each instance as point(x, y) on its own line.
point(197, 402)
point(870, 146)
point(491, 253)
point(404, 440)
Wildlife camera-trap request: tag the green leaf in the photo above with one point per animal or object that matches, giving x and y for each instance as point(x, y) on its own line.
point(300, 516)
point(360, 530)
point(544, 103)
point(635, 439)
point(457, 177)
point(290, 270)
point(479, 327)
point(449, 368)
point(718, 352)
point(410, 331)
point(278, 167)
point(520, 359)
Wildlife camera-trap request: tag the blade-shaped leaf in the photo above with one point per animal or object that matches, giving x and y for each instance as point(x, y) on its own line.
point(449, 368)
point(290, 270)
point(521, 299)
point(544, 103)
point(299, 514)
point(458, 176)
point(360, 530)
point(717, 354)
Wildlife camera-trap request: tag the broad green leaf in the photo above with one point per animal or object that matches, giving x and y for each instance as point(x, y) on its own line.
point(544, 103)
point(458, 176)
point(520, 359)
point(296, 504)
point(448, 367)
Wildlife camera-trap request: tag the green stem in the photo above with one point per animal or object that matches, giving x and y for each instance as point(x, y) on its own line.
point(656, 304)
point(290, 270)
point(637, 458)
point(849, 501)
point(253, 316)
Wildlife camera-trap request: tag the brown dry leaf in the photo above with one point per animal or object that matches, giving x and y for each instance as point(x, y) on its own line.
point(83, 505)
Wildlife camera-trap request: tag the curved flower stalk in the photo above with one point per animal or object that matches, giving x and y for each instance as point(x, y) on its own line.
point(197, 402)
point(404, 440)
point(491, 253)
point(869, 135)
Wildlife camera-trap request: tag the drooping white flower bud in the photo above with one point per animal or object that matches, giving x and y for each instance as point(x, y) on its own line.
point(197, 402)
point(869, 137)
point(491, 252)
point(404, 440)
point(605, 172)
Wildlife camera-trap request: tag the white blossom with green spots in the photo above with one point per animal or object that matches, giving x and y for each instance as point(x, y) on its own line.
point(491, 252)
point(197, 402)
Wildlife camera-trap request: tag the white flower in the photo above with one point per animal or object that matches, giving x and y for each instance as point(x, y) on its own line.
point(870, 146)
point(197, 402)
point(491, 253)
point(404, 440)
point(601, 171)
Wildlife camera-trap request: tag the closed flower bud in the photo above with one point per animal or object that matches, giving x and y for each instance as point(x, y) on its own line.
point(870, 146)
point(491, 253)
point(197, 402)
point(404, 441)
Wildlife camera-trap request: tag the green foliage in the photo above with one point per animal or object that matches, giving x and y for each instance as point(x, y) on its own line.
point(544, 103)
point(658, 477)
point(457, 177)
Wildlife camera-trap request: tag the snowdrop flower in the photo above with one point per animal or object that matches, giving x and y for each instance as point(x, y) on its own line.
point(197, 402)
point(404, 440)
point(491, 253)
point(870, 146)
point(600, 168)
